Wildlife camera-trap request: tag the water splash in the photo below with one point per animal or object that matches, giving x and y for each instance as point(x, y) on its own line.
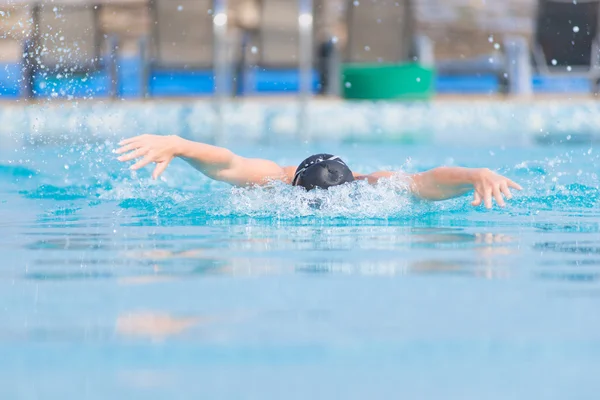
point(355, 201)
point(564, 185)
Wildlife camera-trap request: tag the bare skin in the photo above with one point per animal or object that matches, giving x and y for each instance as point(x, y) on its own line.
point(223, 165)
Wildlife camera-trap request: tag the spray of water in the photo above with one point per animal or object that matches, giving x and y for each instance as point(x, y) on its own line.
point(87, 174)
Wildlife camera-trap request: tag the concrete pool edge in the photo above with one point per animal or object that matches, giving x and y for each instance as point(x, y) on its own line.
point(443, 121)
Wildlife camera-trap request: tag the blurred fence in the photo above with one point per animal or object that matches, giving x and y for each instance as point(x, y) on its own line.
point(457, 27)
point(468, 42)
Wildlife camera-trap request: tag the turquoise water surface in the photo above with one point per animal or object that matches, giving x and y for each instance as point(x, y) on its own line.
point(116, 286)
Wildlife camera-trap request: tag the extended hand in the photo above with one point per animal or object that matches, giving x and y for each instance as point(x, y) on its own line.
point(489, 184)
point(153, 148)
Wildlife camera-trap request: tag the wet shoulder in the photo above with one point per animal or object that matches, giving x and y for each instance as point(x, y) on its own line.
point(289, 173)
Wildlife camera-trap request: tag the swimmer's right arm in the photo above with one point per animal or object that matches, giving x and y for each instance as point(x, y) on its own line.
point(215, 162)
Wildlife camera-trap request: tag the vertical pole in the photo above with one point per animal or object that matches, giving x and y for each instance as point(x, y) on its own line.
point(333, 66)
point(424, 51)
point(28, 81)
point(29, 52)
point(220, 65)
point(305, 26)
point(145, 67)
point(113, 43)
point(518, 66)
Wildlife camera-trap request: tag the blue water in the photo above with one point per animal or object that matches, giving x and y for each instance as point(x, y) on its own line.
point(115, 286)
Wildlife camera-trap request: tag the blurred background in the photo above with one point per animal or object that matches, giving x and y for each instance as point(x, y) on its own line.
point(361, 49)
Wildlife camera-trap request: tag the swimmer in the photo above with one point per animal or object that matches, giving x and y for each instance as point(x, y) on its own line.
point(318, 171)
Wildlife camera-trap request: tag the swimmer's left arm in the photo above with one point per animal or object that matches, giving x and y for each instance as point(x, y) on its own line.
point(444, 183)
point(447, 182)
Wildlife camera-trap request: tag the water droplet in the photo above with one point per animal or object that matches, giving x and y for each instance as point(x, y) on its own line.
point(1, 13)
point(254, 50)
point(589, 151)
point(418, 79)
point(179, 8)
point(356, 3)
point(554, 62)
point(569, 68)
point(575, 29)
point(491, 39)
point(497, 46)
point(568, 137)
point(491, 60)
point(348, 84)
point(367, 48)
point(66, 166)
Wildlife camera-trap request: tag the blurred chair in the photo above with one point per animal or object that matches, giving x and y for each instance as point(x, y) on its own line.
point(181, 48)
point(67, 37)
point(380, 31)
point(566, 39)
point(275, 53)
point(66, 42)
point(279, 35)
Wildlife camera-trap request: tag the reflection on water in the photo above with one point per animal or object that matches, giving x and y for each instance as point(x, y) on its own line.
point(155, 325)
point(570, 276)
point(265, 249)
point(586, 247)
point(271, 250)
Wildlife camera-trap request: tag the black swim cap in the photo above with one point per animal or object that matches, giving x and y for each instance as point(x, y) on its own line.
point(322, 171)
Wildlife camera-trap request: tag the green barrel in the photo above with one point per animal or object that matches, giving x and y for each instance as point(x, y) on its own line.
point(387, 81)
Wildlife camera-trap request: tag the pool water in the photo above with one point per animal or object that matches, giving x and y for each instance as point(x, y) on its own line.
point(116, 286)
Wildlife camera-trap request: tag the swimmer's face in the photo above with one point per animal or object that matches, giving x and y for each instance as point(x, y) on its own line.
point(322, 171)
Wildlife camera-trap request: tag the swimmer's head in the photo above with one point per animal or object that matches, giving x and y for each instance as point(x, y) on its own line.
point(322, 171)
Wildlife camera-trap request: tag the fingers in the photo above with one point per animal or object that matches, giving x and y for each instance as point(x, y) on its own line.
point(141, 146)
point(494, 191)
point(160, 168)
point(476, 199)
point(125, 149)
point(506, 191)
point(134, 154)
point(498, 196)
point(514, 185)
point(140, 164)
point(130, 140)
point(487, 198)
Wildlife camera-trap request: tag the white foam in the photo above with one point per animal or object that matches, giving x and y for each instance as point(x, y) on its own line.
point(389, 197)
